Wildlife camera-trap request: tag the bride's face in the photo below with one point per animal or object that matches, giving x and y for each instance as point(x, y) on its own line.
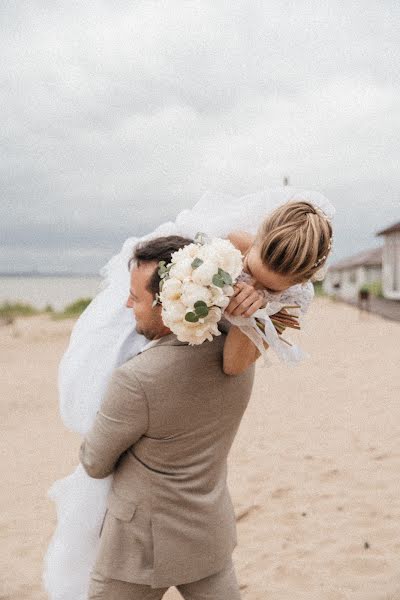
point(273, 282)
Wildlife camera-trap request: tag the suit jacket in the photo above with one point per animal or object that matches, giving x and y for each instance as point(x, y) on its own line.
point(164, 429)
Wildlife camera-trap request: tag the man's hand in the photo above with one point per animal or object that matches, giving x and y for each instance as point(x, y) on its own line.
point(246, 300)
point(120, 422)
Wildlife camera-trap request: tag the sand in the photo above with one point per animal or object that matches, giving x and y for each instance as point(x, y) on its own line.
point(314, 470)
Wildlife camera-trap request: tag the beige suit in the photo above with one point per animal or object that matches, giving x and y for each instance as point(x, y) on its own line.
point(164, 429)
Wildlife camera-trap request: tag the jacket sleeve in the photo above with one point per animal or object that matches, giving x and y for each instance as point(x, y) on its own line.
point(119, 423)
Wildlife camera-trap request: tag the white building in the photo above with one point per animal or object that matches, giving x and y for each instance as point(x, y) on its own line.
point(346, 277)
point(391, 261)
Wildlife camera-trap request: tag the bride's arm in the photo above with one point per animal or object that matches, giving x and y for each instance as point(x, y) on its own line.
point(242, 240)
point(239, 351)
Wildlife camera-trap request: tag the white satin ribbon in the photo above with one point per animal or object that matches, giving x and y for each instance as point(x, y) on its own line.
point(289, 354)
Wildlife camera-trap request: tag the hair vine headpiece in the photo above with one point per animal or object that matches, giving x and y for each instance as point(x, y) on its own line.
point(325, 255)
point(324, 207)
point(322, 213)
point(319, 261)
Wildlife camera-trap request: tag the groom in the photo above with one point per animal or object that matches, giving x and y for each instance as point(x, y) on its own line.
point(164, 430)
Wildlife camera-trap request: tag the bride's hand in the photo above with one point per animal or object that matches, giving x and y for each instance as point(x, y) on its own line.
point(246, 300)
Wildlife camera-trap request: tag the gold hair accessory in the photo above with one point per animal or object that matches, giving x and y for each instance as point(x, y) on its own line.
point(325, 255)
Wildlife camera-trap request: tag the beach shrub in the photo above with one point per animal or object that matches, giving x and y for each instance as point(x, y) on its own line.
point(77, 307)
point(318, 289)
point(10, 310)
point(74, 309)
point(374, 288)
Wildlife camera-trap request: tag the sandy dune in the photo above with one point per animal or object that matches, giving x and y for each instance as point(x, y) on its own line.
point(314, 470)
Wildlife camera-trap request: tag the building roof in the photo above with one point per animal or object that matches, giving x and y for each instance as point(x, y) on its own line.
point(367, 258)
point(392, 229)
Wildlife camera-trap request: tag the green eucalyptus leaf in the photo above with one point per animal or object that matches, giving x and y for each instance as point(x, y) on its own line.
point(201, 311)
point(191, 317)
point(218, 281)
point(196, 263)
point(199, 237)
point(225, 276)
point(199, 303)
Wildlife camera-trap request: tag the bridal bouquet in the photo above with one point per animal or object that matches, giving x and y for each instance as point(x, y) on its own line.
point(196, 286)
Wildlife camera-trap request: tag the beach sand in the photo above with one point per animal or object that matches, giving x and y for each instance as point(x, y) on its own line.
point(314, 470)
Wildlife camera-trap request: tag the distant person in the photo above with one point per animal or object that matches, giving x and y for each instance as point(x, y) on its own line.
point(364, 299)
point(285, 236)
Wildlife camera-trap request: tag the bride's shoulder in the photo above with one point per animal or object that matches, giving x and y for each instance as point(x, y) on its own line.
point(240, 239)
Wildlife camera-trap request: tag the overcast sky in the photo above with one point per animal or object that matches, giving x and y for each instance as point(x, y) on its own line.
point(117, 115)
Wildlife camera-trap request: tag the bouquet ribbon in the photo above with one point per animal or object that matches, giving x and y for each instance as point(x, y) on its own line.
point(287, 353)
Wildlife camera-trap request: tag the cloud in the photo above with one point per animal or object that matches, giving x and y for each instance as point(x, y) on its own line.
point(116, 116)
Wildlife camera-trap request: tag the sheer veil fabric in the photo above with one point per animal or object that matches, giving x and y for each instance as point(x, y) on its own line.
point(102, 339)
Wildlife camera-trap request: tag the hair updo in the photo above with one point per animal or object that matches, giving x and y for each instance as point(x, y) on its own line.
point(295, 240)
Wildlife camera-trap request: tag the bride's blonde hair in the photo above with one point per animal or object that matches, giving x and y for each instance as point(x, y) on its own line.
point(295, 240)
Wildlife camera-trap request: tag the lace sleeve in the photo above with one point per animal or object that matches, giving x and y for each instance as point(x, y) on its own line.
point(299, 294)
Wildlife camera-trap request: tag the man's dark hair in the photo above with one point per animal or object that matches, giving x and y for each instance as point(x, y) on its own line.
point(160, 248)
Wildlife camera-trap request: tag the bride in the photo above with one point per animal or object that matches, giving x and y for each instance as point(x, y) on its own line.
point(104, 337)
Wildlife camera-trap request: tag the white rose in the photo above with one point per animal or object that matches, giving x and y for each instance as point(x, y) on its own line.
point(171, 289)
point(195, 333)
point(228, 290)
point(173, 312)
point(218, 297)
point(203, 332)
point(207, 331)
point(181, 269)
point(227, 256)
point(231, 263)
point(214, 315)
point(185, 332)
point(190, 252)
point(204, 273)
point(192, 293)
point(207, 253)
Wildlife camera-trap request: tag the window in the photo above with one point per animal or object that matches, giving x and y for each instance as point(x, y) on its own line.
point(352, 276)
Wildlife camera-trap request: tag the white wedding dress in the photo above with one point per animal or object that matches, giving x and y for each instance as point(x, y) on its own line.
point(102, 339)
